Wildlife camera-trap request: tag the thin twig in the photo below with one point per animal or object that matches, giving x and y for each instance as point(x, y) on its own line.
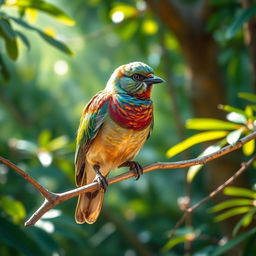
point(53, 199)
point(189, 211)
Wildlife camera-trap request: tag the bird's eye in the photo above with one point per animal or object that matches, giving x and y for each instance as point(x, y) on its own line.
point(138, 77)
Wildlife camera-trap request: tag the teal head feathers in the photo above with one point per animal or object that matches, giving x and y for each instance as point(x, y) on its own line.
point(133, 78)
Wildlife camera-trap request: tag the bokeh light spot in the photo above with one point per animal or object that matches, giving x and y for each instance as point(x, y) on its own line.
point(117, 17)
point(150, 27)
point(61, 67)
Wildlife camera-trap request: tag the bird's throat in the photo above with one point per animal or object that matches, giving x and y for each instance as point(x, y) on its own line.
point(130, 112)
point(145, 95)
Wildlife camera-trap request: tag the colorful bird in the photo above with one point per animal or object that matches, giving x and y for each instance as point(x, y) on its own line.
point(114, 126)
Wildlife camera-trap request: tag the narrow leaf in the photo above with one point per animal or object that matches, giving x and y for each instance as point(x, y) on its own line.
point(232, 212)
point(4, 70)
point(44, 138)
point(249, 111)
point(247, 96)
point(232, 243)
point(231, 203)
point(237, 191)
point(248, 148)
point(58, 44)
point(23, 39)
point(7, 29)
point(47, 8)
point(242, 17)
point(195, 139)
point(193, 170)
point(245, 221)
point(57, 143)
point(173, 242)
point(209, 124)
point(228, 108)
point(9, 36)
point(234, 136)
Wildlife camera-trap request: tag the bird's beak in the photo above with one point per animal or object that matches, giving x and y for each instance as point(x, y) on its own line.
point(152, 79)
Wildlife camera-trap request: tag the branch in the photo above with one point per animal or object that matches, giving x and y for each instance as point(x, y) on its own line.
point(189, 210)
point(53, 199)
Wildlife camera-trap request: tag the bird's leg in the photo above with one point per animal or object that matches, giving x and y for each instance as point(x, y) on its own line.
point(135, 167)
point(100, 178)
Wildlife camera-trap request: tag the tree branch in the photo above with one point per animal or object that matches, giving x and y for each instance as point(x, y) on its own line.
point(189, 211)
point(53, 199)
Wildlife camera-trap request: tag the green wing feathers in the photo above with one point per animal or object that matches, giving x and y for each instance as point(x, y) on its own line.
point(90, 123)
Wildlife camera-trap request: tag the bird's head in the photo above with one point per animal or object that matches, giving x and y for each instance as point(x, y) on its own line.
point(135, 78)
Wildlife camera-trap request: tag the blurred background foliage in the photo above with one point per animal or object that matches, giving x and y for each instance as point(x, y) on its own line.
point(55, 55)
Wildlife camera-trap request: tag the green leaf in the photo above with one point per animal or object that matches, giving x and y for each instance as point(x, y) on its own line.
point(4, 70)
point(193, 170)
point(234, 136)
point(248, 148)
point(173, 242)
point(12, 49)
point(57, 143)
point(247, 96)
point(210, 124)
point(249, 111)
point(228, 108)
point(237, 191)
point(245, 221)
point(48, 8)
point(231, 203)
point(195, 139)
point(244, 15)
point(7, 29)
point(13, 208)
point(44, 138)
point(232, 212)
point(58, 44)
point(232, 243)
point(23, 39)
point(9, 36)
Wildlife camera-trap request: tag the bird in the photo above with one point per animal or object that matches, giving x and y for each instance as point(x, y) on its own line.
point(113, 128)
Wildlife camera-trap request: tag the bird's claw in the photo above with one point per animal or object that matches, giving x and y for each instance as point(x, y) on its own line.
point(134, 167)
point(100, 178)
point(102, 182)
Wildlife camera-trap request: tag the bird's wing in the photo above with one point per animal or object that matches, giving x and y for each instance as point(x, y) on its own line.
point(90, 123)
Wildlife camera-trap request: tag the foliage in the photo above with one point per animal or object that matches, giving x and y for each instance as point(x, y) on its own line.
point(237, 206)
point(10, 35)
point(240, 122)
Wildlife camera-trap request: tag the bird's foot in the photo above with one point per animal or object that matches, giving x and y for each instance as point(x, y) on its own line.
point(100, 178)
point(134, 167)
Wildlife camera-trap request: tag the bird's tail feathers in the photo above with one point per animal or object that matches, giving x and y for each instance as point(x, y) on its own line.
point(89, 204)
point(89, 207)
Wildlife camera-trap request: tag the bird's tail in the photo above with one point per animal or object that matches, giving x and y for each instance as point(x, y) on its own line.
point(89, 206)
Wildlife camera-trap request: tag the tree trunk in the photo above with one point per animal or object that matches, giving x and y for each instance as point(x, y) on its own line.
point(206, 88)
